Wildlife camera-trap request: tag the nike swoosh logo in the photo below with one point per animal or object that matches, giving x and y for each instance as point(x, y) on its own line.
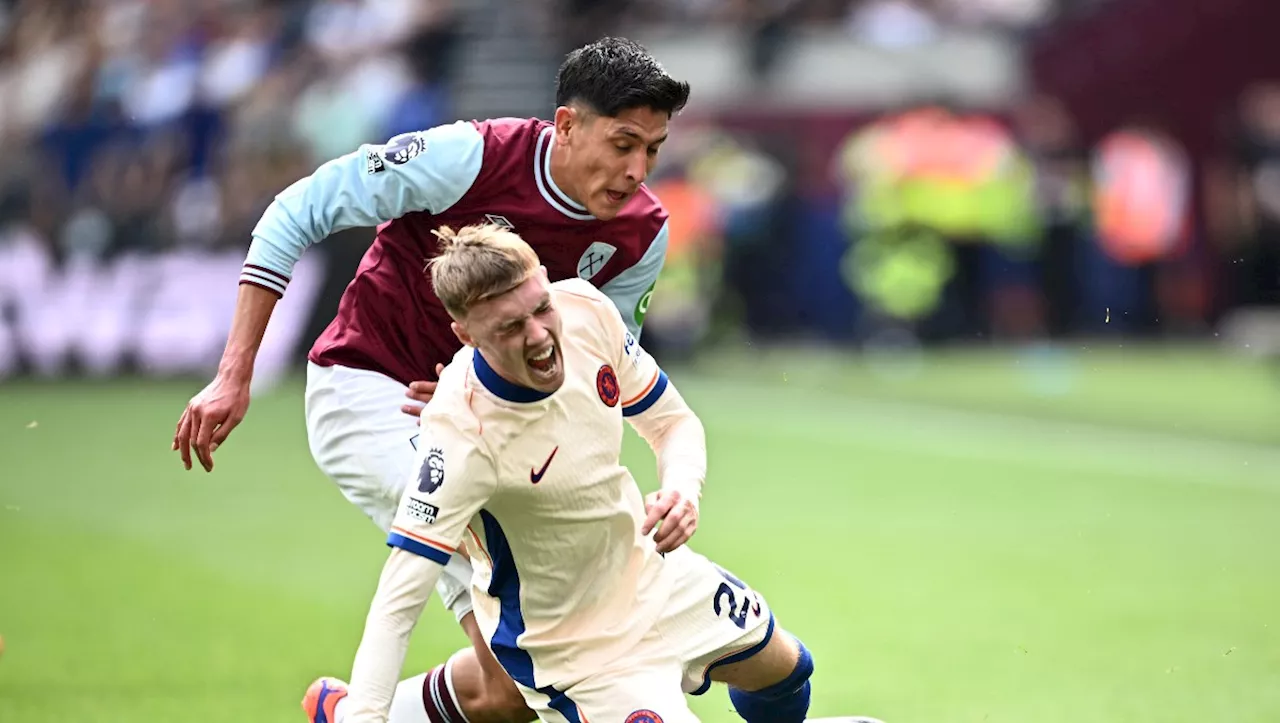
point(536, 477)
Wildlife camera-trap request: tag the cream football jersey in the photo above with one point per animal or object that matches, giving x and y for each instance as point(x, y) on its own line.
point(532, 484)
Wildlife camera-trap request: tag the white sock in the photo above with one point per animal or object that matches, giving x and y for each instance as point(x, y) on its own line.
point(406, 705)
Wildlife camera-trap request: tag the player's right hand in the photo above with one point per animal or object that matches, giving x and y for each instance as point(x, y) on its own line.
point(420, 392)
point(674, 515)
point(209, 418)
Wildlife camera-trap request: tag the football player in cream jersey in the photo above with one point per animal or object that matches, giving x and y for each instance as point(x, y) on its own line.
point(583, 589)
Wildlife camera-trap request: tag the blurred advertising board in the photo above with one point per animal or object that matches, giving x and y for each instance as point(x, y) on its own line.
point(162, 314)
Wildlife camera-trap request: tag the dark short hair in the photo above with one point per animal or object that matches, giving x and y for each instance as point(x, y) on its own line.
point(613, 75)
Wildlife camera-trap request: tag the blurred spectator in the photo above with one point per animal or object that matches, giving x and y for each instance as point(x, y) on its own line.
point(1141, 201)
point(137, 126)
point(892, 23)
point(1258, 160)
point(40, 64)
point(151, 124)
point(238, 55)
point(1141, 184)
point(939, 212)
point(1061, 171)
point(1008, 14)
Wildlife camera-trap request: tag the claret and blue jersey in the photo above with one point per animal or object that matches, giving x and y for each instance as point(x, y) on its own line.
point(496, 171)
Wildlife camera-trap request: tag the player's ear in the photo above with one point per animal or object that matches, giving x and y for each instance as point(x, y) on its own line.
point(565, 119)
point(461, 332)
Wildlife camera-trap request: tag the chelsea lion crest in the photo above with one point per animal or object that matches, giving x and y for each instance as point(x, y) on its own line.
point(607, 386)
point(644, 716)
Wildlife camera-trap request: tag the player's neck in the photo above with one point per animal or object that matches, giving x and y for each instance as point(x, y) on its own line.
point(500, 385)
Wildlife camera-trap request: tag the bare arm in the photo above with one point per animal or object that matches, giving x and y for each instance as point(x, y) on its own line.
point(254, 305)
point(219, 407)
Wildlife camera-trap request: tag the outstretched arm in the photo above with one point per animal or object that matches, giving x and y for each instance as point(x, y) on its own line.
point(403, 590)
point(454, 480)
point(428, 170)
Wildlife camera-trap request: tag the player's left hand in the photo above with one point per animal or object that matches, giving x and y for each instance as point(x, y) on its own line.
point(420, 392)
point(678, 515)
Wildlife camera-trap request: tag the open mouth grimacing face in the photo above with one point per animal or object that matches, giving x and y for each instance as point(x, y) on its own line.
point(544, 366)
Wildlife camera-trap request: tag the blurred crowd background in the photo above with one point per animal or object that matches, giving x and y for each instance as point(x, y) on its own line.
point(848, 171)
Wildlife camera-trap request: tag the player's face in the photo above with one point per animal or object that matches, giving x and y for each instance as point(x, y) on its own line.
point(519, 334)
point(605, 159)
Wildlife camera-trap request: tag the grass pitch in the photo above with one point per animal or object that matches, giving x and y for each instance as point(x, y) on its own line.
point(982, 537)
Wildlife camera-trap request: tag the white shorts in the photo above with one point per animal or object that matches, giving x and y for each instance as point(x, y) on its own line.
point(711, 619)
point(365, 444)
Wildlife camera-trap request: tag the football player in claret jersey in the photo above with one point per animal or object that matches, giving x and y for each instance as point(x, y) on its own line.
point(572, 187)
point(584, 590)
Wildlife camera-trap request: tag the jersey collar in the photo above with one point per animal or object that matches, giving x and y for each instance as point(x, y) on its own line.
point(551, 193)
point(500, 387)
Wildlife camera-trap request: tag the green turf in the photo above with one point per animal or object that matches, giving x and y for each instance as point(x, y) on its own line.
point(958, 546)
